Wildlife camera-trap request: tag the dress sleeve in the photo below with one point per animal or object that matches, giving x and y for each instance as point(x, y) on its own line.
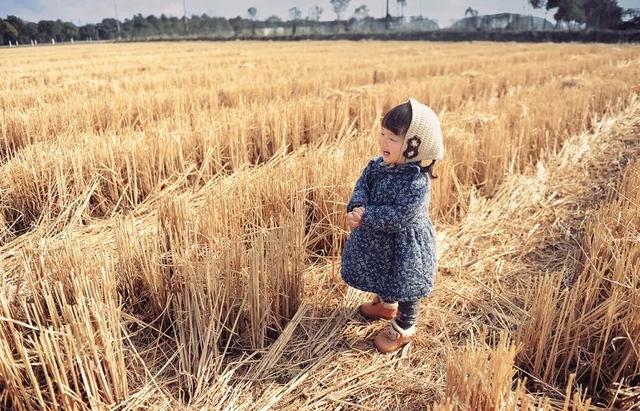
point(394, 217)
point(360, 196)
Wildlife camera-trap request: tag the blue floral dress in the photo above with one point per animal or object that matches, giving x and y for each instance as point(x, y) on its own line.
point(393, 252)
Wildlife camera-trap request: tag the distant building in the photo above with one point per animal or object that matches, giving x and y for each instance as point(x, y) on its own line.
point(502, 21)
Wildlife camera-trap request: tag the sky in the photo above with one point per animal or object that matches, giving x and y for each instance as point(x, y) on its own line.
point(92, 11)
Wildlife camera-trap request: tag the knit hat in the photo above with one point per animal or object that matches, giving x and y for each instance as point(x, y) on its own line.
point(423, 140)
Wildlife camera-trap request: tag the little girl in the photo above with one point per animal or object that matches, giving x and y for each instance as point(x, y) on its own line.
point(392, 249)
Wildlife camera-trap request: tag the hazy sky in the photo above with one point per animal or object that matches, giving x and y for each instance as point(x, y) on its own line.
point(91, 11)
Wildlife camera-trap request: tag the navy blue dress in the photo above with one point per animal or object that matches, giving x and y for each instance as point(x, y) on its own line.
point(393, 252)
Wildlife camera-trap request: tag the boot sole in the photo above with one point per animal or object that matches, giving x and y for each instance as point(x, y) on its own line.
point(391, 351)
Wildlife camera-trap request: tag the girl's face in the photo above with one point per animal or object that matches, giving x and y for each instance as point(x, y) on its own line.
point(390, 146)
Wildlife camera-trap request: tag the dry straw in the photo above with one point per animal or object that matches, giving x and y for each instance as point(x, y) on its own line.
point(170, 232)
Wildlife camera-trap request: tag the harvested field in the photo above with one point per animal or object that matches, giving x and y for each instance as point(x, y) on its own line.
point(172, 216)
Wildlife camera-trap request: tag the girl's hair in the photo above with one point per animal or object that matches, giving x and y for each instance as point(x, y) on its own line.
point(397, 120)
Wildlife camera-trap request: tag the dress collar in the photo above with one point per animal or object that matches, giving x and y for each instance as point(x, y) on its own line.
point(396, 167)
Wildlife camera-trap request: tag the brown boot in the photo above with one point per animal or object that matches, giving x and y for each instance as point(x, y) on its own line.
point(377, 309)
point(393, 337)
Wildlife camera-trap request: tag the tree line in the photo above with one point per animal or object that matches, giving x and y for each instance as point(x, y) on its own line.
point(592, 14)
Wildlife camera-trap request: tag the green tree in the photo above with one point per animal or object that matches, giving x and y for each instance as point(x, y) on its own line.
point(237, 24)
point(602, 14)
point(174, 25)
point(87, 32)
point(294, 14)
point(631, 21)
point(29, 32)
point(595, 13)
point(571, 11)
point(8, 33)
point(20, 27)
point(109, 28)
point(314, 13)
point(199, 24)
point(140, 26)
point(154, 23)
point(49, 29)
point(69, 31)
point(361, 12)
point(402, 4)
point(471, 12)
point(339, 6)
point(252, 12)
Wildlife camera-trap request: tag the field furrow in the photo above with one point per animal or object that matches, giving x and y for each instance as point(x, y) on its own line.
point(172, 216)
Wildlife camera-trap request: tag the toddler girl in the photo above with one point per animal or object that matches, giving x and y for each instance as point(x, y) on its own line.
point(391, 251)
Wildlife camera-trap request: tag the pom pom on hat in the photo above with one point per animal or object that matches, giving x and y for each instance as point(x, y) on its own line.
point(423, 140)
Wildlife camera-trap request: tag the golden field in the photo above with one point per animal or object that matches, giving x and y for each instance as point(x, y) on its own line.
point(172, 216)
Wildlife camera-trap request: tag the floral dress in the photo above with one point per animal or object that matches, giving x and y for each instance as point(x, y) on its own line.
point(393, 252)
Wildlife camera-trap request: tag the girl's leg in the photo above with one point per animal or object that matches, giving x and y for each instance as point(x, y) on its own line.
point(408, 313)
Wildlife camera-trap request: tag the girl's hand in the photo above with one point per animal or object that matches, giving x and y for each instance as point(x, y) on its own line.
point(354, 218)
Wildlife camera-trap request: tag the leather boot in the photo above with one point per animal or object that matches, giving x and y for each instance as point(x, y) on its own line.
point(393, 337)
point(377, 309)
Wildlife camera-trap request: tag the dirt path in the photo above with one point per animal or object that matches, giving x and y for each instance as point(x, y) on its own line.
point(532, 227)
